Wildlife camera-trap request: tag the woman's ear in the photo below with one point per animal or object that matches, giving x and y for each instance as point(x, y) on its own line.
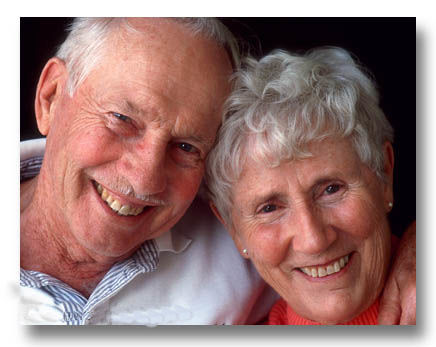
point(388, 170)
point(48, 93)
point(217, 214)
point(230, 229)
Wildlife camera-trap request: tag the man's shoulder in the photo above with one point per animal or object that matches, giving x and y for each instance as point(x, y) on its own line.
point(31, 157)
point(32, 148)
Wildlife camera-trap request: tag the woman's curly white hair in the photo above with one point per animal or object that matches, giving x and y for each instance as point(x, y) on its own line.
point(282, 103)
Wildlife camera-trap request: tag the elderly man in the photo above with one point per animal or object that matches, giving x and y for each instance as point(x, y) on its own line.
point(130, 108)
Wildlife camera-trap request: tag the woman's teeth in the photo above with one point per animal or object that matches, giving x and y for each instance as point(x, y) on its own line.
point(114, 204)
point(321, 271)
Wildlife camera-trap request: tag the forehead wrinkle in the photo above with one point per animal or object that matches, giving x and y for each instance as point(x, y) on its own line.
point(151, 30)
point(269, 191)
point(131, 107)
point(161, 108)
point(147, 112)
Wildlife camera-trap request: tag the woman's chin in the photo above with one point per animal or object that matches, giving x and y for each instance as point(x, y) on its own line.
point(333, 313)
point(333, 318)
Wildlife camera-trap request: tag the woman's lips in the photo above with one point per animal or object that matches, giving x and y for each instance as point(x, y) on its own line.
point(326, 270)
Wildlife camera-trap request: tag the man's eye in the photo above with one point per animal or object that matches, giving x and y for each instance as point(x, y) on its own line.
point(331, 189)
point(187, 147)
point(185, 154)
point(121, 117)
point(268, 208)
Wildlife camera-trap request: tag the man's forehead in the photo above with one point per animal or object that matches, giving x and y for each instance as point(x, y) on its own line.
point(172, 42)
point(160, 30)
point(147, 25)
point(156, 74)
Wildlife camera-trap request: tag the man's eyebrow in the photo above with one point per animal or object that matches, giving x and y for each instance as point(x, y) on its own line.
point(131, 108)
point(324, 180)
point(201, 140)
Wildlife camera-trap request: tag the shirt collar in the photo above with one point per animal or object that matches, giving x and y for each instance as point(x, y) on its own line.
point(172, 241)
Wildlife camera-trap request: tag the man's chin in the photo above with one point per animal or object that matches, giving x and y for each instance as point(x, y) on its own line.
point(114, 249)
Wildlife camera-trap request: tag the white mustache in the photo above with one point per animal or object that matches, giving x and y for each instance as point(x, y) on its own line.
point(124, 188)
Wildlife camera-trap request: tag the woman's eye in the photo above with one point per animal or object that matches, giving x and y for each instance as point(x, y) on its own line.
point(331, 189)
point(121, 117)
point(268, 208)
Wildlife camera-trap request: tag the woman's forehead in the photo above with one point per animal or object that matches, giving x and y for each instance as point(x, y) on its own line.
point(273, 152)
point(321, 157)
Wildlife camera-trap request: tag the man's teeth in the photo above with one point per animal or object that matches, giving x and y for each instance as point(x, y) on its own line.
point(115, 205)
point(321, 271)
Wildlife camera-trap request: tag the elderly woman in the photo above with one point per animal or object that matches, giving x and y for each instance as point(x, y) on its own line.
point(302, 178)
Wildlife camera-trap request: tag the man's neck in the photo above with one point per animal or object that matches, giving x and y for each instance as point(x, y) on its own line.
point(46, 245)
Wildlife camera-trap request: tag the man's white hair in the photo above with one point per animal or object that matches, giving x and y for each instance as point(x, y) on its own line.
point(284, 102)
point(85, 43)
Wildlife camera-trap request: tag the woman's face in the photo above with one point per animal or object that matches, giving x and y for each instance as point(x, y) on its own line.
point(316, 229)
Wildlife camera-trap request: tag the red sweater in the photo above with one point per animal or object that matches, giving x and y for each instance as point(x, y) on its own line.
point(282, 314)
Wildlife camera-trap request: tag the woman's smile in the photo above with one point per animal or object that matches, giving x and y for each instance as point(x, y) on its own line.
point(326, 270)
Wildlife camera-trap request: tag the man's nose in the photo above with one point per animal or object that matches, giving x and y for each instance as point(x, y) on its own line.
point(144, 165)
point(312, 235)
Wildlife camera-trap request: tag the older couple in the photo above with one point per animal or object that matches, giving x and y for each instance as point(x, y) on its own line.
point(130, 109)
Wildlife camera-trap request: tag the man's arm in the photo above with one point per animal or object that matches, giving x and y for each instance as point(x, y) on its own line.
point(398, 303)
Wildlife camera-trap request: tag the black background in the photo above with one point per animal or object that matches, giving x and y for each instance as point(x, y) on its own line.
point(386, 46)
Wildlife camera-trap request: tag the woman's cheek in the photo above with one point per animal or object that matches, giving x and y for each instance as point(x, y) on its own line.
point(267, 245)
point(355, 217)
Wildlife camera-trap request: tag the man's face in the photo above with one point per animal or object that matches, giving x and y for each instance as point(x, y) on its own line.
point(125, 155)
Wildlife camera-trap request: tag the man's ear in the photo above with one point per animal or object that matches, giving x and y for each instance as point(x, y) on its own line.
point(388, 170)
point(48, 93)
point(230, 229)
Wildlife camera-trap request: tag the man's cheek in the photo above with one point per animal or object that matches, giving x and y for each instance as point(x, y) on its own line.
point(93, 147)
point(186, 184)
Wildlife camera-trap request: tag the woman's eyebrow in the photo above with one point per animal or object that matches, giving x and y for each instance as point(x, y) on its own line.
point(267, 196)
point(279, 195)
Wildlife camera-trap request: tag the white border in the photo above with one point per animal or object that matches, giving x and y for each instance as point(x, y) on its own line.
point(422, 335)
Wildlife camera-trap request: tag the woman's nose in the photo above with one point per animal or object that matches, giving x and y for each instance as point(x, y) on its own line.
point(311, 234)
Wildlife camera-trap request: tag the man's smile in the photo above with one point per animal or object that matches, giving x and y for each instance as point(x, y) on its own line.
point(116, 205)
